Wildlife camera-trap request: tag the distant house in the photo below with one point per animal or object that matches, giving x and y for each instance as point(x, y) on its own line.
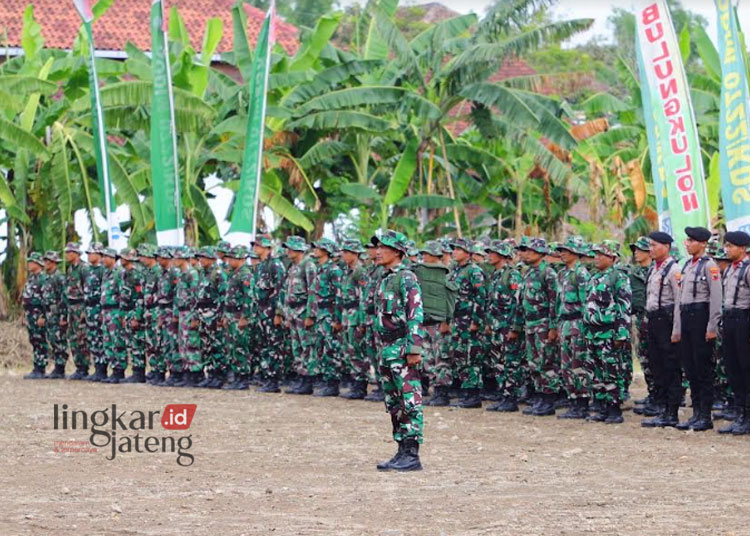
point(128, 20)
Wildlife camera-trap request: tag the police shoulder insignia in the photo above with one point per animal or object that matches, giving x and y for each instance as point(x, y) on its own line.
point(715, 274)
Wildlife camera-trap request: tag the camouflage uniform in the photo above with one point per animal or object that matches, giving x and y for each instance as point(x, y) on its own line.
point(211, 295)
point(55, 313)
point(638, 275)
point(113, 322)
point(75, 277)
point(33, 306)
point(369, 342)
point(92, 293)
point(237, 306)
point(607, 319)
point(166, 322)
point(188, 357)
point(353, 282)
point(325, 310)
point(150, 328)
point(132, 309)
point(268, 280)
point(575, 369)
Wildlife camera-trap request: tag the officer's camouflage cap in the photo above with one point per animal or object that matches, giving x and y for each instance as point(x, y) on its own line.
point(224, 247)
point(610, 248)
point(129, 254)
point(237, 252)
point(716, 250)
point(353, 245)
point(296, 243)
point(445, 243)
point(394, 240)
point(109, 252)
point(643, 243)
point(207, 252)
point(463, 243)
point(183, 252)
point(73, 247)
point(252, 255)
point(574, 244)
point(326, 244)
point(524, 243)
point(536, 244)
point(479, 248)
point(52, 256)
point(147, 250)
point(95, 247)
point(36, 258)
point(501, 247)
point(432, 247)
point(263, 240)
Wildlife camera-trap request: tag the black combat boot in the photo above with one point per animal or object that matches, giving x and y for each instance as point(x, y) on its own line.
point(743, 427)
point(304, 386)
point(58, 373)
point(667, 419)
point(735, 424)
point(729, 413)
point(36, 374)
point(376, 395)
point(598, 411)
point(118, 376)
point(100, 373)
point(651, 408)
point(331, 388)
point(387, 466)
point(696, 404)
point(470, 399)
point(81, 373)
point(425, 386)
point(207, 380)
point(546, 407)
point(218, 379)
point(533, 402)
point(704, 421)
point(157, 378)
point(293, 385)
point(614, 414)
point(357, 392)
point(271, 386)
point(174, 378)
point(240, 383)
point(189, 379)
point(440, 398)
point(508, 405)
point(409, 460)
point(575, 411)
point(562, 401)
point(138, 376)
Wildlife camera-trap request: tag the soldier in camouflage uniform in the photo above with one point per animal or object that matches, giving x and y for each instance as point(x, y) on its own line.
point(607, 319)
point(132, 309)
point(55, 313)
point(296, 297)
point(92, 293)
point(481, 349)
point(75, 276)
point(237, 311)
point(576, 370)
point(722, 390)
point(324, 316)
point(212, 292)
point(369, 342)
point(150, 272)
point(33, 306)
point(399, 314)
point(163, 315)
point(113, 324)
point(353, 282)
point(267, 283)
point(537, 319)
point(187, 361)
point(505, 353)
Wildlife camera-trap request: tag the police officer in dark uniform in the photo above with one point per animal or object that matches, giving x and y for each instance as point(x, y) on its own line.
point(700, 311)
point(736, 323)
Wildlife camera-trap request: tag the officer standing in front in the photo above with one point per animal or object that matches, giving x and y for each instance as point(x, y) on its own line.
point(700, 311)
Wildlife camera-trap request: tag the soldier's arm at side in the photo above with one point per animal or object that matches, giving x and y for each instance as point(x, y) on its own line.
point(411, 296)
point(677, 292)
point(717, 296)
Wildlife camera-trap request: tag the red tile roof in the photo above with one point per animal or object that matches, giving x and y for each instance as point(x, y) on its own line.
point(128, 20)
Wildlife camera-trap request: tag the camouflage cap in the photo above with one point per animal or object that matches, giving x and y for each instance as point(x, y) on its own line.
point(353, 245)
point(610, 248)
point(237, 252)
point(524, 243)
point(224, 247)
point(163, 252)
point(463, 243)
point(147, 250)
point(183, 252)
point(574, 244)
point(553, 249)
point(206, 252)
point(716, 250)
point(109, 252)
point(394, 240)
point(264, 240)
point(52, 256)
point(252, 255)
point(479, 248)
point(539, 245)
point(502, 248)
point(73, 247)
point(674, 251)
point(129, 254)
point(432, 247)
point(296, 243)
point(643, 243)
point(95, 247)
point(445, 243)
point(326, 244)
point(36, 258)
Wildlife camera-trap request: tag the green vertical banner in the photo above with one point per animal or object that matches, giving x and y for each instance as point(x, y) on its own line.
point(164, 166)
point(242, 228)
point(660, 188)
point(734, 122)
point(674, 135)
point(115, 238)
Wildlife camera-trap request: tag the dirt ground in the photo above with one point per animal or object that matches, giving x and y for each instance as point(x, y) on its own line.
point(280, 464)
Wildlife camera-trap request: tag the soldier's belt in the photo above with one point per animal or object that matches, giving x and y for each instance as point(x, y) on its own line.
point(392, 336)
point(736, 313)
point(599, 329)
point(232, 309)
point(92, 303)
point(206, 304)
point(694, 307)
point(75, 301)
point(664, 312)
point(571, 316)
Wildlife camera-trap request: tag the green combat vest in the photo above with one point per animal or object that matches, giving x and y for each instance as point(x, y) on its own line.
point(438, 295)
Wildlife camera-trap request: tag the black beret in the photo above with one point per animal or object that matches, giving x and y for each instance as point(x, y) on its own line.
point(661, 237)
point(701, 234)
point(737, 238)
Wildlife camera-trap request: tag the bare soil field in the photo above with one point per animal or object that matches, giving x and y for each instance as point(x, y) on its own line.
point(280, 464)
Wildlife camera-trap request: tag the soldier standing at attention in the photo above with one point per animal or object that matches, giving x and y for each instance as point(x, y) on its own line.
point(367, 312)
point(55, 313)
point(663, 313)
point(187, 362)
point(33, 306)
point(352, 285)
point(268, 282)
point(537, 319)
point(112, 323)
point(700, 310)
point(607, 319)
point(75, 277)
point(324, 316)
point(399, 315)
point(576, 370)
point(164, 315)
point(92, 292)
point(296, 296)
point(737, 329)
point(237, 305)
point(150, 280)
point(638, 274)
point(131, 307)
point(212, 291)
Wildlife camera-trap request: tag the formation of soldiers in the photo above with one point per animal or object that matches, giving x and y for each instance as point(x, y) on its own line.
point(551, 326)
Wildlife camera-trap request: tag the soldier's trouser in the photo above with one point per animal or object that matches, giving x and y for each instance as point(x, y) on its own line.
point(237, 344)
point(640, 330)
point(77, 334)
point(136, 342)
point(509, 362)
point(151, 340)
point(465, 357)
point(357, 363)
point(575, 369)
point(443, 369)
point(211, 342)
point(167, 327)
point(663, 359)
point(542, 357)
point(430, 349)
point(301, 344)
point(609, 383)
point(37, 338)
point(327, 353)
point(696, 352)
point(189, 341)
point(57, 338)
point(402, 387)
point(113, 338)
point(737, 353)
point(721, 381)
point(272, 351)
point(94, 334)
